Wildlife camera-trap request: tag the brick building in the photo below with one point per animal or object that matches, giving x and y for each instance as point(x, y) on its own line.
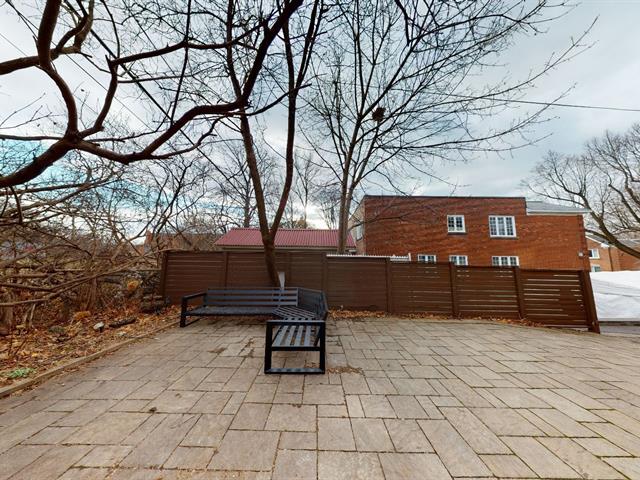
point(472, 230)
point(607, 258)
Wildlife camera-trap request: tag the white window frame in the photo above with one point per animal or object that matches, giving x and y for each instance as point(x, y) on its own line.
point(455, 259)
point(502, 219)
point(505, 261)
point(594, 254)
point(427, 258)
point(455, 228)
point(596, 268)
point(358, 231)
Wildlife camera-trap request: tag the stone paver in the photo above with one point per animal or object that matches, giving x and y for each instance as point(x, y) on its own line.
point(407, 436)
point(628, 466)
point(583, 462)
point(292, 418)
point(402, 399)
point(348, 466)
point(298, 441)
point(400, 466)
point(295, 464)
point(104, 456)
point(454, 452)
point(246, 450)
point(544, 463)
point(158, 445)
point(507, 466)
point(251, 416)
point(335, 434)
point(480, 438)
point(371, 435)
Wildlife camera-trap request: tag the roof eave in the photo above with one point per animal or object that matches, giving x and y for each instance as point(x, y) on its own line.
point(557, 212)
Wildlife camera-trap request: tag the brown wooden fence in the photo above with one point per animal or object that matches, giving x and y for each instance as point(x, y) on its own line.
point(551, 297)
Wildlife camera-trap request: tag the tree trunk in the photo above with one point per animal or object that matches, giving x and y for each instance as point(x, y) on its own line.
point(6, 320)
point(343, 219)
point(267, 239)
point(246, 221)
point(270, 260)
point(6, 316)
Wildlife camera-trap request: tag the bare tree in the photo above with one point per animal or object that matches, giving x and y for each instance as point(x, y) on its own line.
point(123, 39)
point(304, 190)
point(605, 179)
point(235, 186)
point(398, 88)
point(298, 41)
point(328, 200)
point(69, 237)
point(306, 183)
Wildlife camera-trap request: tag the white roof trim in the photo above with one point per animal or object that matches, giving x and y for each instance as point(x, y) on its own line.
point(577, 211)
point(536, 207)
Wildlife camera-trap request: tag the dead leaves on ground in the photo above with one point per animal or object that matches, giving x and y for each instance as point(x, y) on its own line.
point(42, 348)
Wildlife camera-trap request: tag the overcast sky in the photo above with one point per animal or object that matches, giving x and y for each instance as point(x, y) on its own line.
point(607, 74)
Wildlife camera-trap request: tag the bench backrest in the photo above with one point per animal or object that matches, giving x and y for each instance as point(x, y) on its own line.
point(251, 297)
point(314, 301)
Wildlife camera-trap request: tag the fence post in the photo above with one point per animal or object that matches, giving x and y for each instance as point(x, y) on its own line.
point(163, 273)
point(225, 268)
point(517, 275)
point(454, 289)
point(589, 302)
point(388, 277)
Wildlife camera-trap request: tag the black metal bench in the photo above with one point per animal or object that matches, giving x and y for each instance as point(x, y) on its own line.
point(299, 324)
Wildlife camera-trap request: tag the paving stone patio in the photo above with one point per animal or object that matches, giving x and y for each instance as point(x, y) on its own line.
point(403, 399)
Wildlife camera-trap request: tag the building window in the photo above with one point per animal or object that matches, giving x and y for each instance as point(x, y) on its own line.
point(422, 257)
point(359, 231)
point(455, 224)
point(594, 253)
point(460, 260)
point(501, 226)
point(596, 268)
point(505, 261)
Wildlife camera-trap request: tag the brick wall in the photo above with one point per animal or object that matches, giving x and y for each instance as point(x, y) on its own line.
point(628, 262)
point(609, 260)
point(612, 259)
point(418, 225)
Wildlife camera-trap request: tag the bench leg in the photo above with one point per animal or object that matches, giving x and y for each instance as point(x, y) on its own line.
point(183, 314)
point(267, 348)
point(322, 347)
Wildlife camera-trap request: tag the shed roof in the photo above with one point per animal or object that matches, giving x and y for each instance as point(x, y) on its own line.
point(285, 237)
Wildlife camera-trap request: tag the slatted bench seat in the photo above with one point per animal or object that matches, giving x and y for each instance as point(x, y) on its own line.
point(298, 324)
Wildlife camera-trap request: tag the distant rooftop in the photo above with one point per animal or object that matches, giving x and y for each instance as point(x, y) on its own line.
point(534, 206)
point(285, 237)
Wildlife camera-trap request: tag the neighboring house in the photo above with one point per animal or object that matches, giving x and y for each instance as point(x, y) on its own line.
point(472, 231)
point(608, 258)
point(288, 239)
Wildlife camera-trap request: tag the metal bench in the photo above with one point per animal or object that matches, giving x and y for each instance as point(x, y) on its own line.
point(232, 301)
point(299, 324)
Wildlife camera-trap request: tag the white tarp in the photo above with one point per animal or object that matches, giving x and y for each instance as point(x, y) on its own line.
point(617, 295)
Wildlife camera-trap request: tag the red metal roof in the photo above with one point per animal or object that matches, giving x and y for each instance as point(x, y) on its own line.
point(285, 237)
